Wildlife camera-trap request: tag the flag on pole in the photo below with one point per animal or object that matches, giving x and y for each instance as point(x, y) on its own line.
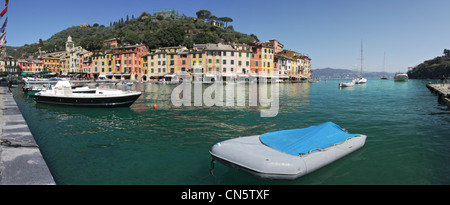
point(4, 26)
point(3, 41)
point(4, 11)
point(2, 35)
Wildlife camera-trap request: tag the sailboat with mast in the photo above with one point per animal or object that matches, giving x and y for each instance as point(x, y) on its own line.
point(384, 68)
point(361, 79)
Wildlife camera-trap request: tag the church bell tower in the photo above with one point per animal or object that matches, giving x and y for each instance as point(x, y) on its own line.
point(70, 46)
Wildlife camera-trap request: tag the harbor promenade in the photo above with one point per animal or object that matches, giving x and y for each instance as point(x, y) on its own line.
point(21, 161)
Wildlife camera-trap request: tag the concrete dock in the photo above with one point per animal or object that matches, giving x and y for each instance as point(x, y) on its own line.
point(21, 161)
point(441, 90)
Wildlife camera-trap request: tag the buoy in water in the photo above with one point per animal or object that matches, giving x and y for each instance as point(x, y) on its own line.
point(155, 106)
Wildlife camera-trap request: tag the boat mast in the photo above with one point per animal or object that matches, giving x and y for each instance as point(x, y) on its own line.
point(361, 58)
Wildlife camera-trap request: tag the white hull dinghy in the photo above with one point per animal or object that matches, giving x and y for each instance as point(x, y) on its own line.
point(349, 84)
point(360, 80)
point(288, 154)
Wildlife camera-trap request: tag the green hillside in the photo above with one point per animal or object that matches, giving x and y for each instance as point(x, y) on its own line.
point(432, 69)
point(147, 29)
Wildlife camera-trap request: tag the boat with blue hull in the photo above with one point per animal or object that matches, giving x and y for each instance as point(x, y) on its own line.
point(288, 154)
point(63, 94)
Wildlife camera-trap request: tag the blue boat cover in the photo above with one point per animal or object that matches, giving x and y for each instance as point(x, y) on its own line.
point(304, 140)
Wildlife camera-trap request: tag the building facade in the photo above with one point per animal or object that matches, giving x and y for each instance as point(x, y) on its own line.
point(204, 61)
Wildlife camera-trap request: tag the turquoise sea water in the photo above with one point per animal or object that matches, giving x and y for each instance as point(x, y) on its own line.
point(408, 136)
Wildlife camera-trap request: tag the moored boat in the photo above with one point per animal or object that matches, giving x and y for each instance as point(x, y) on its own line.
point(288, 154)
point(31, 90)
point(401, 77)
point(360, 80)
point(348, 84)
point(63, 94)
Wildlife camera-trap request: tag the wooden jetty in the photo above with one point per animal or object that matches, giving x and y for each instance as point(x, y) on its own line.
point(441, 90)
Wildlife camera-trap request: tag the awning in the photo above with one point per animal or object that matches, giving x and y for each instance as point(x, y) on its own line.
point(169, 76)
point(183, 74)
point(157, 75)
point(228, 75)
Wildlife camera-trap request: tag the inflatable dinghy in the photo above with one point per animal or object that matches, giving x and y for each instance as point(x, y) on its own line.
point(288, 154)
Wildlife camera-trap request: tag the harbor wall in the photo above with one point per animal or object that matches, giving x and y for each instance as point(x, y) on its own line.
point(441, 90)
point(21, 161)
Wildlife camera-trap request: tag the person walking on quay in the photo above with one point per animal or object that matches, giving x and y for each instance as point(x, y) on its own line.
point(443, 80)
point(10, 85)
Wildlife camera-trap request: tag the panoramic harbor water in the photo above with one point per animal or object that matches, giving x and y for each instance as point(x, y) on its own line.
point(407, 131)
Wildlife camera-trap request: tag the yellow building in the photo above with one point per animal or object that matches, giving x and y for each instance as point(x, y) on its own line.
point(172, 58)
point(65, 64)
point(294, 66)
point(198, 61)
point(103, 63)
point(156, 64)
point(144, 66)
point(172, 61)
point(267, 59)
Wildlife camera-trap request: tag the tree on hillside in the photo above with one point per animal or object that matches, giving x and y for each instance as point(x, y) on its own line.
point(446, 52)
point(203, 14)
point(205, 37)
point(151, 40)
point(255, 37)
point(213, 18)
point(171, 36)
point(226, 20)
point(92, 43)
point(131, 38)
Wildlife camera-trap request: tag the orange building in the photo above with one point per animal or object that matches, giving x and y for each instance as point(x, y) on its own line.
point(128, 61)
point(51, 64)
point(256, 59)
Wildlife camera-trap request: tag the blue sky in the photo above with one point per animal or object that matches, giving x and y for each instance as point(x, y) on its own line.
point(329, 31)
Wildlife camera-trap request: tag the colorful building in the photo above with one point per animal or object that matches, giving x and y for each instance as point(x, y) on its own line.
point(51, 64)
point(283, 65)
point(205, 61)
point(86, 63)
point(256, 59)
point(9, 64)
point(128, 61)
point(243, 58)
point(267, 59)
point(198, 63)
point(111, 43)
point(220, 60)
point(64, 61)
point(155, 62)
